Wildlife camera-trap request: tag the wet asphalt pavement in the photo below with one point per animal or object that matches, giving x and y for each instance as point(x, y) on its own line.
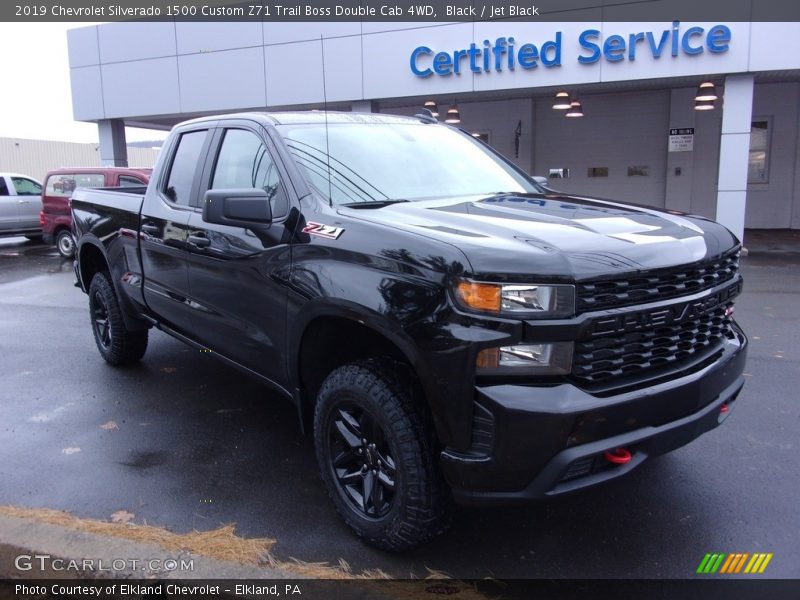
point(195, 444)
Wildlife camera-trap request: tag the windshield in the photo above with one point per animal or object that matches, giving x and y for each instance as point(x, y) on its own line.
point(373, 162)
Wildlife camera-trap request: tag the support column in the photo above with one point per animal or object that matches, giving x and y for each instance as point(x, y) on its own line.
point(680, 171)
point(364, 106)
point(734, 152)
point(113, 148)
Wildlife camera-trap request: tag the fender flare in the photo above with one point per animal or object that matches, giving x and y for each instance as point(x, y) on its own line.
point(357, 314)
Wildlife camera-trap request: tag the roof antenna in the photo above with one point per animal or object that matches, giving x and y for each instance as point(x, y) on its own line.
point(325, 108)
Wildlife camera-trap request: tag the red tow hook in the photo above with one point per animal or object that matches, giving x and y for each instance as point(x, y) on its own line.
point(724, 408)
point(618, 456)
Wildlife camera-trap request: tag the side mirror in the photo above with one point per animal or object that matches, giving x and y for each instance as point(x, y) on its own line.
point(247, 207)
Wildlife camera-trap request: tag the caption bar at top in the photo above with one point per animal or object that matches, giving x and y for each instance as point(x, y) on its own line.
point(400, 11)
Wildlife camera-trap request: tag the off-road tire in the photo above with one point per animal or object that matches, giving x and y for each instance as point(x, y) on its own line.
point(419, 508)
point(116, 343)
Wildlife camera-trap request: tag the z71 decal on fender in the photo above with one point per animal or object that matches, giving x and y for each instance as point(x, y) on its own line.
point(326, 231)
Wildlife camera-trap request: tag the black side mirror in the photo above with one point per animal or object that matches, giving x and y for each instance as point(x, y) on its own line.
point(247, 207)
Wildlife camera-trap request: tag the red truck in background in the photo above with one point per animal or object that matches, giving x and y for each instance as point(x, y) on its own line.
point(55, 217)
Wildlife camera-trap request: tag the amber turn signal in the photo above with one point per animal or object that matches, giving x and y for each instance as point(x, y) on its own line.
point(488, 359)
point(480, 296)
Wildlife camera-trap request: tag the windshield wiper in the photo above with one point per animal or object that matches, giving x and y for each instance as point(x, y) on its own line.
point(374, 203)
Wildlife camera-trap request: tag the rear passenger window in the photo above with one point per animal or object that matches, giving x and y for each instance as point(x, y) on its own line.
point(125, 181)
point(90, 180)
point(245, 162)
point(3, 187)
point(184, 165)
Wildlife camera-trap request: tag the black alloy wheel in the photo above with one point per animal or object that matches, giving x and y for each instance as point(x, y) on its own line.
point(102, 327)
point(361, 460)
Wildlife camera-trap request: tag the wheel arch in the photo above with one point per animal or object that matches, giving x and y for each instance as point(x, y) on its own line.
point(92, 259)
point(337, 334)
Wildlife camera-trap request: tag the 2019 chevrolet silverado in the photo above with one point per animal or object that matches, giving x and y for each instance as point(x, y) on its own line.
point(447, 328)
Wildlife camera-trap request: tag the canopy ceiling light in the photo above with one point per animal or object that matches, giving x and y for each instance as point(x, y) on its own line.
point(453, 116)
point(561, 101)
point(704, 105)
point(433, 107)
point(706, 91)
point(575, 109)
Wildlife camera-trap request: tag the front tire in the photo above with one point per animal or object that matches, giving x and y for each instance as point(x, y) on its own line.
point(117, 344)
point(376, 457)
point(65, 243)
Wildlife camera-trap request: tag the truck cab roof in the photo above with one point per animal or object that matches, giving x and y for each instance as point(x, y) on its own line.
point(309, 117)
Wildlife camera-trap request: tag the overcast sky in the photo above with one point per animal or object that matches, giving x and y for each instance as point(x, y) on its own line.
point(35, 96)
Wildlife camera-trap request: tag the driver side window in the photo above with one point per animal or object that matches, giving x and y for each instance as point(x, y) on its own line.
point(245, 162)
point(26, 187)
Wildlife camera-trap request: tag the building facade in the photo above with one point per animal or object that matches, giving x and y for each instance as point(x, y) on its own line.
point(640, 139)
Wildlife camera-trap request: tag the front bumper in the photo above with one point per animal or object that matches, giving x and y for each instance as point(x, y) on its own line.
point(545, 441)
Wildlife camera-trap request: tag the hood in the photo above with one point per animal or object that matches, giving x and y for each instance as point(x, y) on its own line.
point(555, 235)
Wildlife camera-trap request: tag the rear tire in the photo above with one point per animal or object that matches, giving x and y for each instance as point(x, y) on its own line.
point(376, 457)
point(117, 344)
point(65, 243)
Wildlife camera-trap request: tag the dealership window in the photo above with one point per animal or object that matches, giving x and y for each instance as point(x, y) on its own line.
point(184, 164)
point(758, 163)
point(244, 162)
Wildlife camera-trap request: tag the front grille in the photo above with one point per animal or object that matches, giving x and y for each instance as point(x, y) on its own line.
point(655, 285)
point(639, 352)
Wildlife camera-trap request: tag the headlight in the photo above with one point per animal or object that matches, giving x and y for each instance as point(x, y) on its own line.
point(529, 301)
point(535, 359)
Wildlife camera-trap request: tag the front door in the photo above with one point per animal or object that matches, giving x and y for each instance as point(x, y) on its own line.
point(237, 276)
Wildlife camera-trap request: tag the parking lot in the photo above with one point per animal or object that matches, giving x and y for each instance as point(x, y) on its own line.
point(184, 442)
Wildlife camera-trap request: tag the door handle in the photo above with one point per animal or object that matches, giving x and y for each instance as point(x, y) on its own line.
point(199, 241)
point(23, 201)
point(150, 229)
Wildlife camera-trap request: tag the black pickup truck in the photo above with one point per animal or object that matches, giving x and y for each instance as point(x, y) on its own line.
point(447, 328)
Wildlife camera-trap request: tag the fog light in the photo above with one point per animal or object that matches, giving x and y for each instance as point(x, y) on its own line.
point(543, 359)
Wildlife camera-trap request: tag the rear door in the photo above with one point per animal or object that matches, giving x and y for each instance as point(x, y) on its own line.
point(163, 227)
point(57, 191)
point(237, 276)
